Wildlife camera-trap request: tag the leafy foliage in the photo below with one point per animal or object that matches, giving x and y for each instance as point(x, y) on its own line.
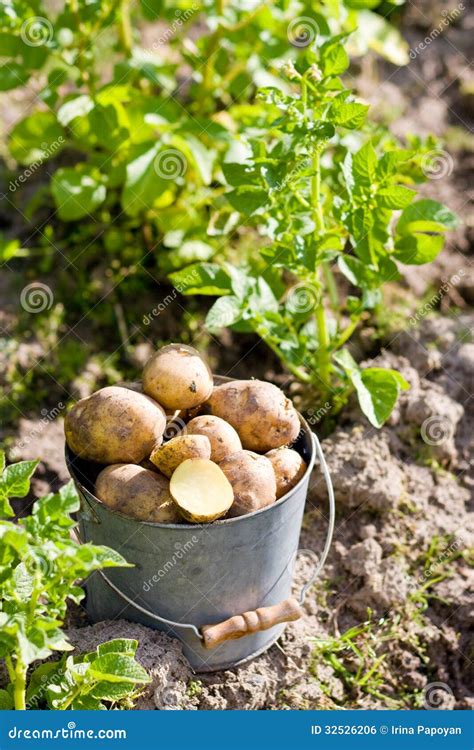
point(108, 677)
point(322, 201)
point(40, 565)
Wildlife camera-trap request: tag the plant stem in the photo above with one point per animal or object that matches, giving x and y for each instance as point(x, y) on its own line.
point(347, 333)
point(126, 36)
point(323, 352)
point(19, 689)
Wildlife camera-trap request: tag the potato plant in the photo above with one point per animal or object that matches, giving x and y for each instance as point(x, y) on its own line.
point(332, 200)
point(39, 568)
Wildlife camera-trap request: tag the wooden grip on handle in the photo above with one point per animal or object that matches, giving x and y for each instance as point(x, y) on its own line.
point(250, 622)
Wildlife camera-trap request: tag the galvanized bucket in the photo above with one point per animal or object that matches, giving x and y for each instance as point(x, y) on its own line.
point(188, 576)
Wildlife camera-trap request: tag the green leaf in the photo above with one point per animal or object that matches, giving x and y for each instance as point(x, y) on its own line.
point(188, 252)
point(334, 59)
point(77, 107)
point(225, 312)
point(12, 75)
point(24, 582)
point(53, 507)
point(202, 278)
point(118, 668)
point(364, 165)
point(348, 114)
point(237, 174)
point(127, 646)
point(77, 191)
point(36, 138)
point(377, 388)
point(247, 199)
point(417, 249)
point(6, 701)
point(395, 197)
point(426, 215)
point(15, 482)
point(145, 180)
point(110, 691)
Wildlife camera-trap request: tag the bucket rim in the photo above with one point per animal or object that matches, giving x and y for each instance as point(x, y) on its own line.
point(69, 455)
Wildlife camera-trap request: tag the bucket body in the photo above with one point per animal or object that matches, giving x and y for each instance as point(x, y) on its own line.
point(191, 573)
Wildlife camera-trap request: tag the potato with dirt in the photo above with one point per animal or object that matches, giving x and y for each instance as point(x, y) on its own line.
point(201, 490)
point(170, 455)
point(114, 425)
point(252, 479)
point(137, 492)
point(288, 466)
point(223, 438)
point(177, 377)
point(260, 412)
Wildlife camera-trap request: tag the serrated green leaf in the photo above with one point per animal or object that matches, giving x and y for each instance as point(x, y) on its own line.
point(395, 197)
point(364, 165)
point(247, 199)
point(350, 115)
point(110, 691)
point(127, 646)
point(334, 59)
point(24, 582)
point(225, 312)
point(118, 668)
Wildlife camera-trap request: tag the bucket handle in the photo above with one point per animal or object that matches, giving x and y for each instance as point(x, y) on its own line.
point(262, 618)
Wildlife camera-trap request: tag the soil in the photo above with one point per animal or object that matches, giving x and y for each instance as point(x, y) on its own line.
point(398, 569)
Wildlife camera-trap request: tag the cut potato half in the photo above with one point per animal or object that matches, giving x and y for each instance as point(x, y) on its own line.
point(201, 490)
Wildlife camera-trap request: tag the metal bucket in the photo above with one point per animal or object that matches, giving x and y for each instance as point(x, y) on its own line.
point(186, 576)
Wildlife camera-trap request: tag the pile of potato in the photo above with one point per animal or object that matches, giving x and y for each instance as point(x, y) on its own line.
point(230, 456)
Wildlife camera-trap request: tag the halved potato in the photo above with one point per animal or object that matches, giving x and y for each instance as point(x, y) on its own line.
point(201, 490)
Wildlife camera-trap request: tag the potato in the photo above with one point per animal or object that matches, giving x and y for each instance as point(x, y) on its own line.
point(252, 479)
point(177, 377)
point(137, 492)
point(169, 456)
point(223, 438)
point(260, 412)
point(114, 426)
point(201, 490)
point(288, 466)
